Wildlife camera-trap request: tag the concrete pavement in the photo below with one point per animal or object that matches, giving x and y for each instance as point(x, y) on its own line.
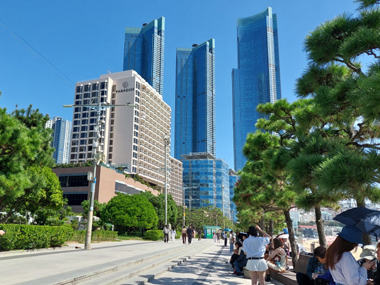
point(208, 267)
point(126, 262)
point(57, 266)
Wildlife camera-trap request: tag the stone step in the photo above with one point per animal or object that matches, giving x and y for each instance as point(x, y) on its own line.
point(84, 274)
point(136, 273)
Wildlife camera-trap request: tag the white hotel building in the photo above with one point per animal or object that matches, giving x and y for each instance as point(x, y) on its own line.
point(130, 136)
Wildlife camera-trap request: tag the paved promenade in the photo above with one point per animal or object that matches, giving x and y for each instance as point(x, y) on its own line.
point(125, 262)
point(208, 267)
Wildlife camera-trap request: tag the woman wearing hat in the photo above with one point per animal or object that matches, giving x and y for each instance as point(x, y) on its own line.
point(254, 248)
point(340, 261)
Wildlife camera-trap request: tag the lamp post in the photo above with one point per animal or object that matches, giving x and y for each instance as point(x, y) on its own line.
point(183, 202)
point(166, 143)
point(97, 154)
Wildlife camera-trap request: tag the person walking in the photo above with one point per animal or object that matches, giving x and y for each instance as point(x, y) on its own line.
point(218, 236)
point(166, 234)
point(199, 235)
point(184, 235)
point(254, 248)
point(214, 236)
point(174, 233)
point(342, 264)
point(225, 238)
point(190, 233)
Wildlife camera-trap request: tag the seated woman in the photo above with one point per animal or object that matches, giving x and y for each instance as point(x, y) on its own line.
point(235, 255)
point(277, 260)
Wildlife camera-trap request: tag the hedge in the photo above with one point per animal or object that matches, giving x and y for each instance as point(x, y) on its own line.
point(99, 235)
point(154, 235)
point(32, 236)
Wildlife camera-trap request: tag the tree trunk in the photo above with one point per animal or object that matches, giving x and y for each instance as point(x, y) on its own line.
point(320, 227)
point(270, 232)
point(366, 237)
point(293, 244)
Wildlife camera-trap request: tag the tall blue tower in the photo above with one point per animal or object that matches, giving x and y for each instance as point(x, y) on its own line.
point(195, 100)
point(61, 138)
point(257, 78)
point(144, 52)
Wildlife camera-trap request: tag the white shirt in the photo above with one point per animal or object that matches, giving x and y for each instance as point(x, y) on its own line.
point(348, 272)
point(255, 246)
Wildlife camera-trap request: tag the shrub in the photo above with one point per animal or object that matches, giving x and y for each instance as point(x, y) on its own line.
point(32, 236)
point(80, 236)
point(154, 235)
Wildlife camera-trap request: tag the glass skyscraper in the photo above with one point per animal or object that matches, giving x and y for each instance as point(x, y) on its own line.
point(144, 52)
point(206, 182)
point(233, 178)
point(257, 78)
point(61, 138)
point(195, 100)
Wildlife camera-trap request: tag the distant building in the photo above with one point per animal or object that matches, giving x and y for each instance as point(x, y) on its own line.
point(207, 182)
point(233, 178)
point(195, 100)
point(257, 78)
point(176, 189)
point(144, 52)
point(131, 138)
point(76, 188)
point(61, 138)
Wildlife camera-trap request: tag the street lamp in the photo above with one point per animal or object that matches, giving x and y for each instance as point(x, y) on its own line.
point(96, 158)
point(183, 202)
point(166, 143)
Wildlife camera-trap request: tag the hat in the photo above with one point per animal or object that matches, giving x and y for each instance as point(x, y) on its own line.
point(369, 252)
point(286, 231)
point(351, 234)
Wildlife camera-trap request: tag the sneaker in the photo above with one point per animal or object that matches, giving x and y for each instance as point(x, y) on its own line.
point(241, 275)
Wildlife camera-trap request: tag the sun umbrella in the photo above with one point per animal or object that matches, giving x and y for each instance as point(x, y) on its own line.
point(367, 220)
point(227, 230)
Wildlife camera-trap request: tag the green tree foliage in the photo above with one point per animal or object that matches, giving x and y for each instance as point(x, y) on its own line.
point(53, 217)
point(131, 211)
point(348, 97)
point(26, 180)
point(264, 184)
point(98, 208)
point(158, 203)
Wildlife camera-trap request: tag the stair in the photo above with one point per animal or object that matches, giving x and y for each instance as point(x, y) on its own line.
point(140, 270)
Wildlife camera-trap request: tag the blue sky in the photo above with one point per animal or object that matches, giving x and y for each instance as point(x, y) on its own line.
point(84, 39)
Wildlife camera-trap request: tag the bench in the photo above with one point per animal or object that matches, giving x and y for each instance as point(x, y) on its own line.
point(289, 277)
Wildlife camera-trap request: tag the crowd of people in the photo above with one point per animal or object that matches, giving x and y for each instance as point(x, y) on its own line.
point(186, 233)
point(333, 266)
point(338, 266)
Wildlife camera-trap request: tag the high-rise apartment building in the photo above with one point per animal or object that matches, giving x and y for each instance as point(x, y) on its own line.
point(130, 137)
point(175, 187)
point(61, 138)
point(257, 78)
point(195, 100)
point(144, 52)
point(206, 182)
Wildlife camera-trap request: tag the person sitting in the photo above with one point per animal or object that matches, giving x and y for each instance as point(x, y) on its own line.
point(277, 260)
point(376, 281)
point(315, 265)
point(369, 253)
point(239, 263)
point(236, 253)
